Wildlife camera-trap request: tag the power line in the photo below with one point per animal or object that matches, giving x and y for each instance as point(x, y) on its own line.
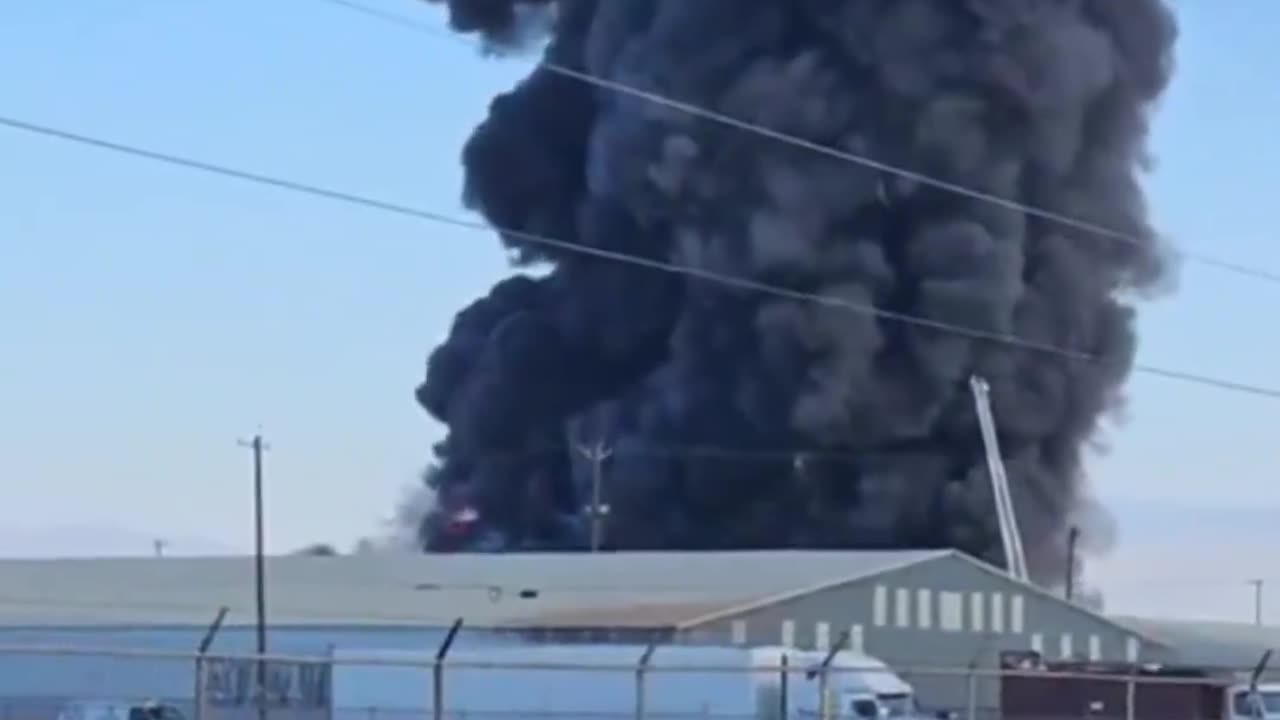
point(387, 16)
point(937, 183)
point(660, 265)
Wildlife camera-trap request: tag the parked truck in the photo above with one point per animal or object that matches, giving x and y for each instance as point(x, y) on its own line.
point(687, 682)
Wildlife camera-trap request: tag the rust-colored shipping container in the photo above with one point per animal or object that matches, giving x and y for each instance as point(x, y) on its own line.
point(1058, 691)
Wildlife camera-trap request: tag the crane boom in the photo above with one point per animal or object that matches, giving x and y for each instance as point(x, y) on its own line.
point(1010, 536)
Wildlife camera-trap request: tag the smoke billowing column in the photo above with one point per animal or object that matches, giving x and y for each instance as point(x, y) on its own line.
point(1042, 101)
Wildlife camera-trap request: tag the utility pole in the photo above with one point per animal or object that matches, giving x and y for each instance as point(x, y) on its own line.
point(259, 566)
point(1257, 600)
point(597, 510)
point(1073, 536)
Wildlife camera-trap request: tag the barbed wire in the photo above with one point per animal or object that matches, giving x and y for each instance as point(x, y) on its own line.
point(424, 658)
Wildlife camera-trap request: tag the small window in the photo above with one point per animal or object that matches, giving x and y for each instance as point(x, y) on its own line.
point(1095, 648)
point(822, 636)
point(997, 612)
point(1037, 643)
point(855, 639)
point(880, 606)
point(1131, 650)
point(739, 630)
point(865, 709)
point(977, 612)
point(1017, 612)
point(951, 611)
point(1264, 702)
point(1245, 705)
point(789, 633)
point(924, 609)
point(902, 608)
point(1066, 647)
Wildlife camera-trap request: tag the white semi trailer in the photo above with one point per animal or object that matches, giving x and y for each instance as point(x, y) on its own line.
point(678, 682)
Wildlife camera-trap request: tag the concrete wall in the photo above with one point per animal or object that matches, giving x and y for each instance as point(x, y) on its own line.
point(944, 613)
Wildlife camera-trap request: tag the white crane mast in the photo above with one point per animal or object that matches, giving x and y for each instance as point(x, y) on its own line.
point(1011, 538)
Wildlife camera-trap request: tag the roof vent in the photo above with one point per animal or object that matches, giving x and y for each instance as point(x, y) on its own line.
point(528, 594)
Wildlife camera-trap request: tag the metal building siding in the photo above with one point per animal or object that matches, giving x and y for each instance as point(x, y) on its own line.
point(935, 647)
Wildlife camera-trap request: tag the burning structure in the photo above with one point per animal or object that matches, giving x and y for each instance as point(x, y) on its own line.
point(739, 419)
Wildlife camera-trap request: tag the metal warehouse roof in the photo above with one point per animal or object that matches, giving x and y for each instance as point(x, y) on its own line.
point(535, 590)
point(1212, 644)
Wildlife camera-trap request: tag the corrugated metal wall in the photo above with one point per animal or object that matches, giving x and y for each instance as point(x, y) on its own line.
point(944, 613)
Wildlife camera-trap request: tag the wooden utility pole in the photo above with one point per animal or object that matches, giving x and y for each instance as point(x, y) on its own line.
point(597, 510)
point(259, 567)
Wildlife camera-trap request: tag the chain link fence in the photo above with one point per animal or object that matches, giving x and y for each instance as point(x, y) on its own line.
point(115, 684)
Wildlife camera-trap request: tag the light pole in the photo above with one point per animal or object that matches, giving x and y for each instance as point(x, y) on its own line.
point(1257, 600)
point(597, 510)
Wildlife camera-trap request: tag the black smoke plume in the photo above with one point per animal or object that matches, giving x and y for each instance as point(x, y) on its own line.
point(740, 420)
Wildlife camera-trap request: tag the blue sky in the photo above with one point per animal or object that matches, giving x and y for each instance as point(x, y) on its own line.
point(151, 316)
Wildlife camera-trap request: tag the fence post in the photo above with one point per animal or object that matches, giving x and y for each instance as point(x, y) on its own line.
point(971, 705)
point(328, 672)
point(640, 670)
point(1131, 695)
point(198, 696)
point(1255, 701)
point(783, 688)
point(824, 707)
point(437, 671)
point(824, 703)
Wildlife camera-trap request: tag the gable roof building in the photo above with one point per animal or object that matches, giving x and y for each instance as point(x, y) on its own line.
point(912, 609)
